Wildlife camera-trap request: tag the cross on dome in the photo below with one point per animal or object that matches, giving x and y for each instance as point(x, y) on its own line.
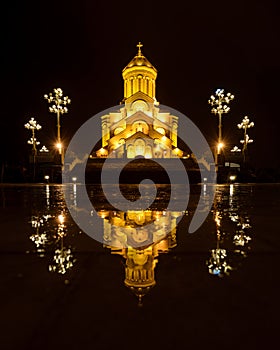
point(139, 48)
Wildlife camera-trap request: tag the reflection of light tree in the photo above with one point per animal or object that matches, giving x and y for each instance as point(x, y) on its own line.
point(228, 210)
point(40, 237)
point(217, 263)
point(63, 258)
point(50, 231)
point(241, 238)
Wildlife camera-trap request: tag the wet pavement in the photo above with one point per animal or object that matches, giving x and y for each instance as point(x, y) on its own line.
point(217, 287)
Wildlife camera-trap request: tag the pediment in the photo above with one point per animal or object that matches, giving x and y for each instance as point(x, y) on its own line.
point(138, 135)
point(139, 95)
point(139, 115)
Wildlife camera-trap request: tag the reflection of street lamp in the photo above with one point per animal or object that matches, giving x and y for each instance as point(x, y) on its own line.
point(220, 102)
point(61, 226)
point(58, 107)
point(63, 259)
point(217, 262)
point(245, 124)
point(41, 239)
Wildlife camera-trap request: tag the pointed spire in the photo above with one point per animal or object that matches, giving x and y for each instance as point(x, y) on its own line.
point(139, 48)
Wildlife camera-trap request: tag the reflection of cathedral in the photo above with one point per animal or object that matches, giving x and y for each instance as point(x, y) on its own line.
point(140, 129)
point(120, 235)
point(140, 236)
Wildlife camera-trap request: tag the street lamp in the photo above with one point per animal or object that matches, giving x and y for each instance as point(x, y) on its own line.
point(235, 149)
point(219, 147)
point(33, 125)
point(58, 107)
point(245, 124)
point(33, 141)
point(220, 102)
point(44, 149)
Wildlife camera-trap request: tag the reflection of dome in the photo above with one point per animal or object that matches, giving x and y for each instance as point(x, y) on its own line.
point(140, 236)
point(139, 272)
point(140, 292)
point(140, 258)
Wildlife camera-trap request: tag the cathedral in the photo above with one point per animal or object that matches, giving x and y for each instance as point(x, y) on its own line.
point(140, 129)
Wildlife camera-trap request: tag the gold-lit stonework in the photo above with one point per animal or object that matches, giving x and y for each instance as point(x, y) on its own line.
point(140, 129)
point(140, 76)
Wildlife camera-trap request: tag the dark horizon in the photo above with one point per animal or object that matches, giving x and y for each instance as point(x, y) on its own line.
point(83, 49)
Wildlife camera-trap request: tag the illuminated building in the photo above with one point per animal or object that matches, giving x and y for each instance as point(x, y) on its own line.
point(140, 128)
point(120, 235)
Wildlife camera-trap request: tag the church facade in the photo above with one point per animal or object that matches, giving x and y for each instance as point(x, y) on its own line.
point(140, 129)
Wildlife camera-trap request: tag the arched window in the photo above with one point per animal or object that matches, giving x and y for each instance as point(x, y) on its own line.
point(139, 146)
point(130, 152)
point(148, 152)
point(140, 126)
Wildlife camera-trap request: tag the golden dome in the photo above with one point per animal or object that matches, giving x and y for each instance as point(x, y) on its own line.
point(139, 76)
point(139, 60)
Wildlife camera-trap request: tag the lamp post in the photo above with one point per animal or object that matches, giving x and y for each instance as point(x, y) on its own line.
point(235, 149)
point(245, 124)
point(44, 149)
point(220, 102)
point(58, 107)
point(33, 125)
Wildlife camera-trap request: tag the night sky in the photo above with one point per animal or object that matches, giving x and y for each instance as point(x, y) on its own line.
point(196, 47)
